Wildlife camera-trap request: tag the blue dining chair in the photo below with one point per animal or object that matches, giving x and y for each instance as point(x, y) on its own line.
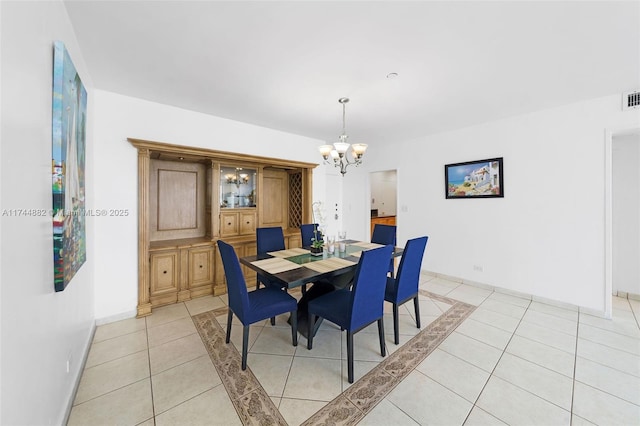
point(385, 234)
point(307, 233)
point(267, 240)
point(251, 307)
point(404, 286)
point(355, 309)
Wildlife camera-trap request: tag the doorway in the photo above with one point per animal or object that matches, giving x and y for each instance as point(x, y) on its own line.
point(384, 198)
point(622, 223)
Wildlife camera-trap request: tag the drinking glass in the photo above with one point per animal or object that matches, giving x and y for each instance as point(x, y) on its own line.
point(342, 235)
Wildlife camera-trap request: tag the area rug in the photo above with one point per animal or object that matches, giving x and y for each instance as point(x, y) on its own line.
point(255, 407)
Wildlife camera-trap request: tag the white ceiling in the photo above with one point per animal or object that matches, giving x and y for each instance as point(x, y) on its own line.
point(283, 65)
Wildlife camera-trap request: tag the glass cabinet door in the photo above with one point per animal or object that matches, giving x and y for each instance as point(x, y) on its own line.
point(237, 187)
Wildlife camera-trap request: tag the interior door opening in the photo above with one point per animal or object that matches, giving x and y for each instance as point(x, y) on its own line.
point(384, 198)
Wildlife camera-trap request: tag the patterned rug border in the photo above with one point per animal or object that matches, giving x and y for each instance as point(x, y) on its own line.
point(255, 407)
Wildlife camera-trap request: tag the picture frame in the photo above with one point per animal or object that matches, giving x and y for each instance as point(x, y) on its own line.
point(474, 179)
point(69, 118)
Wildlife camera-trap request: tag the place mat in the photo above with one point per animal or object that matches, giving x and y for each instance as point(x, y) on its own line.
point(289, 253)
point(275, 265)
point(328, 265)
point(366, 246)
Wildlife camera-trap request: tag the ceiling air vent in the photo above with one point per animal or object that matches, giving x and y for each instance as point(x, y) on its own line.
point(630, 100)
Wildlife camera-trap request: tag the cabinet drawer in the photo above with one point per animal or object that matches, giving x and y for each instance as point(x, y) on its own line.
point(229, 224)
point(247, 223)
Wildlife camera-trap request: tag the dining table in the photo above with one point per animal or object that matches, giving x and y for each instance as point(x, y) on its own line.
point(296, 267)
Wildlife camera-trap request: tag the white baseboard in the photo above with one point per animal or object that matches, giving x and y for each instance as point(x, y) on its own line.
point(594, 313)
point(563, 305)
point(479, 285)
point(552, 302)
point(513, 293)
point(449, 277)
point(117, 317)
point(627, 295)
point(78, 372)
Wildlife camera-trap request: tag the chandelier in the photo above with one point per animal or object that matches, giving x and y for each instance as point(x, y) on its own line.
point(338, 151)
point(237, 178)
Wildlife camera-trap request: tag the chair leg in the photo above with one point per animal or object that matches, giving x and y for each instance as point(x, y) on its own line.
point(383, 350)
point(273, 320)
point(350, 356)
point(245, 344)
point(310, 320)
point(416, 304)
point(294, 327)
point(304, 289)
point(396, 325)
point(229, 319)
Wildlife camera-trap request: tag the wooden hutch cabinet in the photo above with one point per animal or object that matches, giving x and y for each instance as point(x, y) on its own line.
point(189, 198)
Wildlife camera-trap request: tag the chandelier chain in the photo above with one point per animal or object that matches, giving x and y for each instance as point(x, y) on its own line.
point(344, 120)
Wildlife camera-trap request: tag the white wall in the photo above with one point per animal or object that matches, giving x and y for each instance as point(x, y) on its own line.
point(119, 117)
point(41, 329)
point(546, 236)
point(626, 213)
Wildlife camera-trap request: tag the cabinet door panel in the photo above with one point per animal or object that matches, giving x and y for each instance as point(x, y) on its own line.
point(247, 223)
point(274, 196)
point(228, 224)
point(200, 267)
point(163, 283)
point(294, 241)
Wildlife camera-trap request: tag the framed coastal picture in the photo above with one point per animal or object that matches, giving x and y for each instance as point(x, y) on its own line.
point(69, 119)
point(474, 179)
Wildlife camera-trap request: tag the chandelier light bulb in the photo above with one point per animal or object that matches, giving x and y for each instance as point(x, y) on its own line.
point(341, 147)
point(325, 150)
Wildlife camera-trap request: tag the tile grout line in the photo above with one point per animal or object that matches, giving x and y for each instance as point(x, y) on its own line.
point(538, 365)
point(542, 366)
point(153, 406)
point(494, 369)
point(575, 366)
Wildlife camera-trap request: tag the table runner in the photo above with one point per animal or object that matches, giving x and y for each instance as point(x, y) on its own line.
point(289, 253)
point(328, 265)
point(275, 265)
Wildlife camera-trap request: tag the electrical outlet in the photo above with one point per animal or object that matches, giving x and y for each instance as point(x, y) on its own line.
point(478, 268)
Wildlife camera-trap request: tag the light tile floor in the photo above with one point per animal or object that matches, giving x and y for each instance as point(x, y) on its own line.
point(512, 361)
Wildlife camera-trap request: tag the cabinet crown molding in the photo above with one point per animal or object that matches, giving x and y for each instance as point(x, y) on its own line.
point(174, 152)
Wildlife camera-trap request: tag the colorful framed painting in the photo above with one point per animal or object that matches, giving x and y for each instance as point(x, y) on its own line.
point(69, 120)
point(474, 179)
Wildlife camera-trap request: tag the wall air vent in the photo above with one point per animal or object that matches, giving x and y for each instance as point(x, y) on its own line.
point(630, 100)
